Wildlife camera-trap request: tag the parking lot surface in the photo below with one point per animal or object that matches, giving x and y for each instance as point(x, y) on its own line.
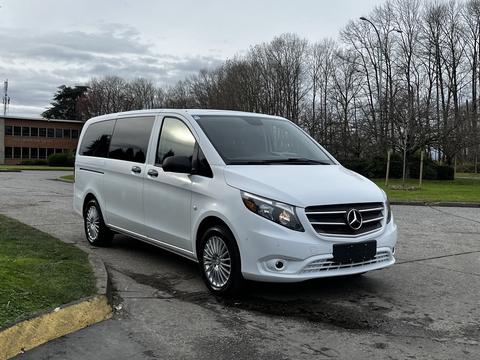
point(427, 306)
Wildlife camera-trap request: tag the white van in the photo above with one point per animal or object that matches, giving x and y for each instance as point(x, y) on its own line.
point(247, 196)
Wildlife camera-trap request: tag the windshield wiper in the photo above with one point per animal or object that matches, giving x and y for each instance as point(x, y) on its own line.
point(300, 161)
point(294, 161)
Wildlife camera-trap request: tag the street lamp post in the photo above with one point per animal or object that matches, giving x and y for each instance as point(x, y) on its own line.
point(380, 60)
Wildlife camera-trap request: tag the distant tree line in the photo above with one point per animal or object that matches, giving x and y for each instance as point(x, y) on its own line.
point(406, 78)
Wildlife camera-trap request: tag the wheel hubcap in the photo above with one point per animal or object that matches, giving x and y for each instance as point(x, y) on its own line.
point(93, 223)
point(216, 262)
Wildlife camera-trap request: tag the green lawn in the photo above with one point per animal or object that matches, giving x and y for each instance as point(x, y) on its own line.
point(468, 175)
point(460, 190)
point(33, 167)
point(38, 272)
point(67, 178)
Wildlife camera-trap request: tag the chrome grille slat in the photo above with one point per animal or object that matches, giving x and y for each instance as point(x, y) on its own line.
point(329, 264)
point(330, 219)
point(327, 223)
point(374, 209)
point(375, 219)
point(324, 212)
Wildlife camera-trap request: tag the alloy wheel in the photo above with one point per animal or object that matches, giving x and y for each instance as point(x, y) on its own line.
point(93, 223)
point(217, 262)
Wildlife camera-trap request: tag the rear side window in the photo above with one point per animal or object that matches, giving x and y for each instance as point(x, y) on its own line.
point(96, 140)
point(130, 139)
point(175, 140)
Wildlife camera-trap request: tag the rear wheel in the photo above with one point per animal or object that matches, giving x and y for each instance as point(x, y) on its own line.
point(220, 261)
point(97, 233)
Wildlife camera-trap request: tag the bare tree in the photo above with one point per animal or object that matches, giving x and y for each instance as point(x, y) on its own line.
point(408, 83)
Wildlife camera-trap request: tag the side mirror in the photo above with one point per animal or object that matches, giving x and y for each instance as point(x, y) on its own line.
point(177, 164)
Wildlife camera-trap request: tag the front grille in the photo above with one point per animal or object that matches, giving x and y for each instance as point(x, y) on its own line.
point(331, 219)
point(330, 265)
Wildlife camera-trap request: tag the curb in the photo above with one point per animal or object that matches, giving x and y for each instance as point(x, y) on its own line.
point(68, 318)
point(64, 180)
point(439, 204)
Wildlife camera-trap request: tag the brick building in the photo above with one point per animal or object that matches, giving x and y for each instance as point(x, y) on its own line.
point(30, 138)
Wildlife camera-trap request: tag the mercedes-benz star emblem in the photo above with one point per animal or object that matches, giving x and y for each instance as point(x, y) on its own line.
point(354, 219)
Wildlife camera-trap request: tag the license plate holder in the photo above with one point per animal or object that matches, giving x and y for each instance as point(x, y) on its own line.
point(354, 252)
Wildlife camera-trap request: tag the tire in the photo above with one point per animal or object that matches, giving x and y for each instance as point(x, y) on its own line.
point(96, 232)
point(218, 252)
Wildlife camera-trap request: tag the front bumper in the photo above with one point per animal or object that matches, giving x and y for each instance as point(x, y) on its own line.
point(304, 255)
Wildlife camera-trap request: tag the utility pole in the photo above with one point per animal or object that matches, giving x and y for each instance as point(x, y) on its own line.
point(405, 143)
point(6, 98)
point(420, 177)
point(389, 152)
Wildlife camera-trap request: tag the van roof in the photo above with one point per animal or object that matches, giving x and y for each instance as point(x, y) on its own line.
point(191, 112)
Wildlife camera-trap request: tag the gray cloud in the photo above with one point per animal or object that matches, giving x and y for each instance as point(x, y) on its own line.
point(36, 64)
point(66, 45)
point(68, 42)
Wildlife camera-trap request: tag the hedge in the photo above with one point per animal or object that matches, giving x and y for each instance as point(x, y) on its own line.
point(34, 162)
point(376, 168)
point(61, 159)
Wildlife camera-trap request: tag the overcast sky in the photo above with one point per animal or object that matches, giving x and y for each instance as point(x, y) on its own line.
point(47, 43)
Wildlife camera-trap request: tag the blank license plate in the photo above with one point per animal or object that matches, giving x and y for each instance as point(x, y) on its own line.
point(354, 252)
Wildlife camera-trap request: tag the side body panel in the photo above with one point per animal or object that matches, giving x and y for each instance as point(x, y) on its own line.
point(167, 199)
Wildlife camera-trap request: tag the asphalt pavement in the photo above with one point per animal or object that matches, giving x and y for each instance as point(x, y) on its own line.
point(427, 306)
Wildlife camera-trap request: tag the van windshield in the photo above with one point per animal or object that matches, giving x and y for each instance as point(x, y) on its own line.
point(251, 140)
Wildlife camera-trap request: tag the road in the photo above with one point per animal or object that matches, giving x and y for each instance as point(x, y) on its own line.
point(424, 307)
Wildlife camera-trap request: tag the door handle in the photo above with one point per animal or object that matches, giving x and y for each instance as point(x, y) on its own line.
point(136, 169)
point(152, 173)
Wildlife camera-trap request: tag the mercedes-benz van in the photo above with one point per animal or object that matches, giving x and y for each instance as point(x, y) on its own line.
point(247, 196)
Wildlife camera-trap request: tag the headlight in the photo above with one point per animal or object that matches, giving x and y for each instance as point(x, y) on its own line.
point(389, 211)
point(387, 207)
point(275, 211)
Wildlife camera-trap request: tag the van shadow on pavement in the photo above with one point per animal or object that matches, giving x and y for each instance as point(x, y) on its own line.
point(350, 303)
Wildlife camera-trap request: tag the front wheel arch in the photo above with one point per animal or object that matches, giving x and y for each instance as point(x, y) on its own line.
point(205, 224)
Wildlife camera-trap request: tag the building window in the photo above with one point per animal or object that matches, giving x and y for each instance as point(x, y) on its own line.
point(42, 132)
point(58, 133)
point(58, 151)
point(25, 153)
point(33, 131)
point(9, 130)
point(51, 133)
point(50, 151)
point(25, 131)
point(42, 153)
point(17, 153)
point(74, 134)
point(17, 130)
point(8, 153)
point(33, 153)
point(66, 133)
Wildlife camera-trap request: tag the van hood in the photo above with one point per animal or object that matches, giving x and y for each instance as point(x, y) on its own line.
point(304, 185)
